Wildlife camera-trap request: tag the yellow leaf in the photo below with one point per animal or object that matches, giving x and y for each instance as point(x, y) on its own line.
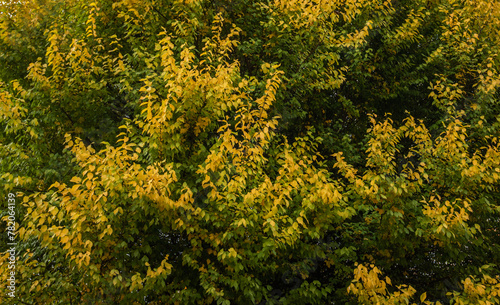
point(301, 221)
point(423, 297)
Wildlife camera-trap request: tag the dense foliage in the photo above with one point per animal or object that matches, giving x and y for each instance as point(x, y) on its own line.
point(252, 152)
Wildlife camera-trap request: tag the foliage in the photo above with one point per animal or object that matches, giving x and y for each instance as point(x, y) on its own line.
point(252, 152)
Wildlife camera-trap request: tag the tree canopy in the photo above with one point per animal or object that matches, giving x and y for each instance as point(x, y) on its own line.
point(251, 152)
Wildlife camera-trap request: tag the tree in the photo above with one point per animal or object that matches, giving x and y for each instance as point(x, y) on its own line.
point(252, 152)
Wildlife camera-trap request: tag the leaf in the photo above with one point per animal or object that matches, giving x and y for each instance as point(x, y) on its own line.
point(423, 296)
